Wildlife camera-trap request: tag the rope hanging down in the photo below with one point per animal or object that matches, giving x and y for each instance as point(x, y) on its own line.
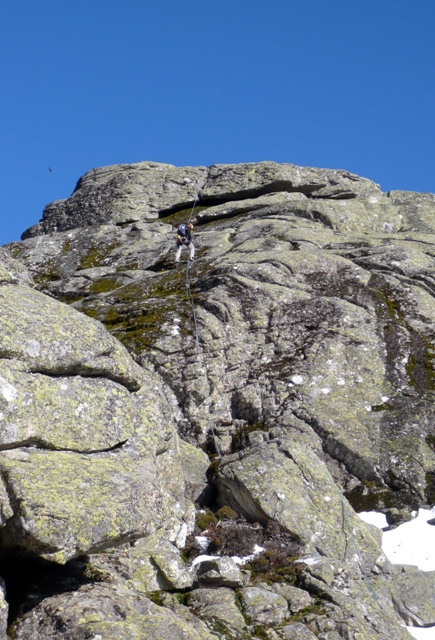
point(188, 291)
point(195, 324)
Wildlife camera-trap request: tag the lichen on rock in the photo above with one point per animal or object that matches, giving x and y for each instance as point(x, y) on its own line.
point(295, 355)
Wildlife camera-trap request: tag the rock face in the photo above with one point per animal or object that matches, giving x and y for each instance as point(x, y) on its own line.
point(86, 434)
point(284, 381)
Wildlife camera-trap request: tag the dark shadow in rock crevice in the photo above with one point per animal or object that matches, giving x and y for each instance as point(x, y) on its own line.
point(28, 581)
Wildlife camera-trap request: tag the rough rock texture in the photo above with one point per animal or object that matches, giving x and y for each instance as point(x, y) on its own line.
point(85, 447)
point(294, 359)
point(99, 611)
point(219, 606)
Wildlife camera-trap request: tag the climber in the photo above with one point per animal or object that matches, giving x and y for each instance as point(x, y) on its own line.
point(184, 238)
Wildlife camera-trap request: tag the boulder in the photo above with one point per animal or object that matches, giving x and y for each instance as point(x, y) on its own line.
point(195, 463)
point(53, 339)
point(280, 480)
point(219, 606)
point(219, 572)
point(85, 447)
point(412, 595)
point(297, 631)
point(297, 599)
point(102, 611)
point(263, 606)
point(245, 180)
point(12, 271)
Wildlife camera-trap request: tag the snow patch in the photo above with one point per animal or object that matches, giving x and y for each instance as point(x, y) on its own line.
point(257, 551)
point(204, 558)
point(372, 517)
point(422, 634)
point(412, 542)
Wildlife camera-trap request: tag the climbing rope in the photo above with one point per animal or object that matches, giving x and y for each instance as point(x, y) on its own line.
point(188, 291)
point(195, 324)
point(194, 202)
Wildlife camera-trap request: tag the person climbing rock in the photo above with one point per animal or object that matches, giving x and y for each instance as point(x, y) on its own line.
point(184, 239)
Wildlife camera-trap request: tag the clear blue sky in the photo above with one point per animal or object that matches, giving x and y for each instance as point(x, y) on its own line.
point(345, 84)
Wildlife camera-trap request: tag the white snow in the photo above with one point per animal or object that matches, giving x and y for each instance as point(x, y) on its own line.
point(236, 559)
point(257, 551)
point(422, 634)
point(412, 543)
point(204, 558)
point(372, 517)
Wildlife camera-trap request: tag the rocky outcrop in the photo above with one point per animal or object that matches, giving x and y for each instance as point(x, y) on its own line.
point(285, 378)
point(85, 447)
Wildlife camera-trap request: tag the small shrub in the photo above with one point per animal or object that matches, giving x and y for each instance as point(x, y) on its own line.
point(234, 538)
point(273, 566)
point(226, 513)
point(205, 520)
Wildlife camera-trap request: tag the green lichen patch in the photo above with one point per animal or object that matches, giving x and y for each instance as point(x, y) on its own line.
point(261, 632)
point(141, 314)
point(97, 255)
point(103, 285)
